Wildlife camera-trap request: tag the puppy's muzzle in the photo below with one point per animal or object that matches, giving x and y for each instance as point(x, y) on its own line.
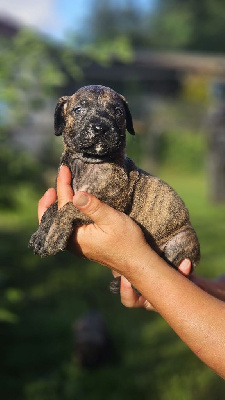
point(100, 129)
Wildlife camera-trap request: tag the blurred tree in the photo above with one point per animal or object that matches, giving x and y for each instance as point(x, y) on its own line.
point(167, 24)
point(188, 24)
point(18, 166)
point(170, 27)
point(103, 51)
point(33, 68)
point(109, 20)
point(29, 74)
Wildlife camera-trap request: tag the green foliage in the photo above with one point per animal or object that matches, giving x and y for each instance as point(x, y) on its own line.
point(109, 20)
point(171, 28)
point(32, 69)
point(17, 167)
point(166, 25)
point(135, 148)
point(186, 149)
point(103, 51)
point(189, 24)
point(28, 75)
point(41, 390)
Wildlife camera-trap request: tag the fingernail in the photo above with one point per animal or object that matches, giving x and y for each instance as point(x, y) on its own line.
point(81, 199)
point(186, 262)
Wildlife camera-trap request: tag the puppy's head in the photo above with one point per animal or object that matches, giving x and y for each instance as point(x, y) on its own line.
point(93, 122)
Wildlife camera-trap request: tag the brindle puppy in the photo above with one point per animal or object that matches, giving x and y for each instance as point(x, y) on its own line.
point(93, 123)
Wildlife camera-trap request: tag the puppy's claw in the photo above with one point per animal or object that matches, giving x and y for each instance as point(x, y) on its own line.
point(114, 285)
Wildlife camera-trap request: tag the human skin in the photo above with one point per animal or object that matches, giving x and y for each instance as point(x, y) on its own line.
point(114, 240)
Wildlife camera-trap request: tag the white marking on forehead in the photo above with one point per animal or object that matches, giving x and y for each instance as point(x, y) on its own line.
point(98, 148)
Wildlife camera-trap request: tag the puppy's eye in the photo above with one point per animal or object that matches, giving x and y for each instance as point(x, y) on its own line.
point(77, 110)
point(118, 112)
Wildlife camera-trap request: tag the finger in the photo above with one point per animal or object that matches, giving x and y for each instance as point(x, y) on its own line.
point(64, 189)
point(131, 299)
point(100, 213)
point(185, 267)
point(45, 202)
point(128, 296)
point(148, 306)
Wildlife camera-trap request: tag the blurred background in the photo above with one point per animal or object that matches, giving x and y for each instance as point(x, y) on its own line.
point(63, 336)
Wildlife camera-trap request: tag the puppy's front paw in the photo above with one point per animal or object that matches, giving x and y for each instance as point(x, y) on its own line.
point(61, 229)
point(57, 239)
point(37, 242)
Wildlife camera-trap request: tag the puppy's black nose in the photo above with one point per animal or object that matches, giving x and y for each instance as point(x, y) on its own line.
point(99, 128)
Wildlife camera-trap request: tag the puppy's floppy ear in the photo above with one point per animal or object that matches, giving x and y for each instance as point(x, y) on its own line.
point(59, 117)
point(129, 121)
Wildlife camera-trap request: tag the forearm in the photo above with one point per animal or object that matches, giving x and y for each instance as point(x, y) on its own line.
point(197, 317)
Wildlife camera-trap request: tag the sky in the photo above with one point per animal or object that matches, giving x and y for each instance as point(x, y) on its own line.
point(55, 18)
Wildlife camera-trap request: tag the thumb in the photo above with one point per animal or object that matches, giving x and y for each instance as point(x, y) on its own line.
point(64, 189)
point(100, 213)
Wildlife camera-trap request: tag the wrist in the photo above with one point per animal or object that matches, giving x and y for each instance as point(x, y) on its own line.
point(138, 267)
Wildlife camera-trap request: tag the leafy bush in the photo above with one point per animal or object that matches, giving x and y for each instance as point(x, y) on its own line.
point(17, 167)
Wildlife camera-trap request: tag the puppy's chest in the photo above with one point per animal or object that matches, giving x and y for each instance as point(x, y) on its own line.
point(107, 181)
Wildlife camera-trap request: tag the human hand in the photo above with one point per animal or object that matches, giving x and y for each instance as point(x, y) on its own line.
point(113, 239)
point(130, 299)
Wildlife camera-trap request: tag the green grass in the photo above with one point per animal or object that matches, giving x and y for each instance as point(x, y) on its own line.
point(43, 297)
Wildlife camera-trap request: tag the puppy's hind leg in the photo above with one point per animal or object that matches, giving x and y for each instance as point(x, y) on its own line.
point(183, 245)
